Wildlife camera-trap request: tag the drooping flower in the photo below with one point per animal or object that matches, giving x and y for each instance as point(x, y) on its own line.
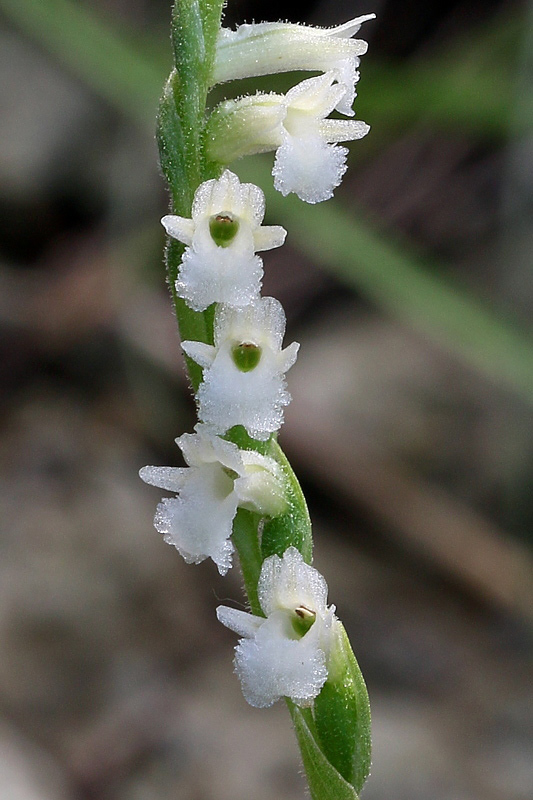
point(244, 372)
point(269, 47)
point(219, 479)
point(285, 653)
point(308, 160)
point(219, 264)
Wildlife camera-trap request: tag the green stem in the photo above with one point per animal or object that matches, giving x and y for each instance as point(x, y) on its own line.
point(180, 132)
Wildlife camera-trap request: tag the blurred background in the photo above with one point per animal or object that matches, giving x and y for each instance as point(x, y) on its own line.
point(411, 423)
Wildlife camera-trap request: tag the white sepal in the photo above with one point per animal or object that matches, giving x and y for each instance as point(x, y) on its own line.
point(308, 162)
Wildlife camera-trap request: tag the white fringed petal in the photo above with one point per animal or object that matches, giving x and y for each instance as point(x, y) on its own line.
point(309, 167)
point(219, 479)
point(255, 399)
point(210, 272)
point(272, 665)
point(272, 659)
point(230, 275)
point(199, 521)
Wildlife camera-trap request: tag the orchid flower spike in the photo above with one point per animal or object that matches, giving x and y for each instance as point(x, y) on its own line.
point(270, 47)
point(219, 264)
point(285, 653)
point(244, 372)
point(308, 160)
point(219, 479)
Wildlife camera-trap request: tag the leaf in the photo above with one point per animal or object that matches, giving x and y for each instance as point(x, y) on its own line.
point(325, 782)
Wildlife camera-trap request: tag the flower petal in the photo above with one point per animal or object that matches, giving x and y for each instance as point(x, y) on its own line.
point(309, 167)
point(228, 396)
point(271, 666)
point(316, 96)
point(169, 478)
point(179, 228)
point(199, 522)
point(239, 622)
point(212, 274)
point(261, 487)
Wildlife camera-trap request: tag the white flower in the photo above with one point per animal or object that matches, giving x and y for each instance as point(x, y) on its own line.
point(219, 479)
point(244, 372)
point(269, 47)
point(308, 161)
point(219, 264)
point(285, 654)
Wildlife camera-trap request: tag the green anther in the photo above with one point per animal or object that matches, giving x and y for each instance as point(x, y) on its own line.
point(223, 229)
point(246, 356)
point(303, 619)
